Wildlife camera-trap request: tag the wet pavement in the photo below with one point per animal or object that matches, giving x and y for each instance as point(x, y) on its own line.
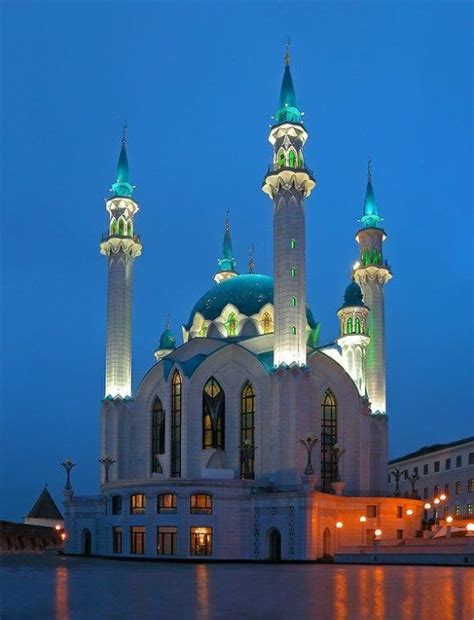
point(69, 588)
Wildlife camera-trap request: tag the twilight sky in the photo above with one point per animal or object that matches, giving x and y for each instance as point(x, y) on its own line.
point(197, 83)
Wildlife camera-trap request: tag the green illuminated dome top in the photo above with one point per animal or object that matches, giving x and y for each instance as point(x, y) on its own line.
point(247, 292)
point(371, 217)
point(288, 111)
point(122, 187)
point(353, 296)
point(167, 340)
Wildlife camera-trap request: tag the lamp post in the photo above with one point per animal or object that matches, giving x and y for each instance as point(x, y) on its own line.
point(409, 515)
point(68, 465)
point(362, 520)
point(107, 462)
point(470, 529)
point(339, 526)
point(436, 502)
point(377, 536)
point(449, 520)
point(309, 444)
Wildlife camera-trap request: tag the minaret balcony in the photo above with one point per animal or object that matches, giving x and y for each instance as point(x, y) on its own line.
point(112, 244)
point(285, 176)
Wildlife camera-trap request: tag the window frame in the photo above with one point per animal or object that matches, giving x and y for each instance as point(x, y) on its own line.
point(194, 532)
point(162, 533)
point(162, 509)
point(205, 509)
point(137, 507)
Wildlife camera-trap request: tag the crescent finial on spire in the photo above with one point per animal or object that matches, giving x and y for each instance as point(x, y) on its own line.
point(369, 170)
point(287, 52)
point(124, 134)
point(227, 223)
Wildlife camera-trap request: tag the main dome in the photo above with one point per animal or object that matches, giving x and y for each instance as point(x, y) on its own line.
point(248, 292)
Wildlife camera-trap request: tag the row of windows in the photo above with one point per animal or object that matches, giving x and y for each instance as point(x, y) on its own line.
point(457, 488)
point(437, 465)
point(290, 159)
point(352, 326)
point(199, 503)
point(200, 540)
point(457, 511)
point(119, 227)
point(232, 324)
point(373, 257)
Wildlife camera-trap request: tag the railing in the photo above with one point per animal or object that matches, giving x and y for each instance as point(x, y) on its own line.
point(106, 236)
point(278, 168)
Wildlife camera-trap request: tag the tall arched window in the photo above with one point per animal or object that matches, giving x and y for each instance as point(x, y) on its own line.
point(281, 159)
point(349, 326)
point(247, 432)
point(293, 272)
point(357, 325)
point(129, 228)
point(366, 257)
point(121, 227)
point(213, 416)
point(294, 301)
point(293, 330)
point(267, 323)
point(300, 159)
point(328, 440)
point(176, 385)
point(231, 325)
point(113, 227)
point(157, 435)
point(375, 257)
point(292, 159)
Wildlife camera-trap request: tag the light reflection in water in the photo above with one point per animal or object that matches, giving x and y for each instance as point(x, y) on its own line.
point(379, 594)
point(202, 579)
point(340, 594)
point(409, 590)
point(61, 594)
point(364, 592)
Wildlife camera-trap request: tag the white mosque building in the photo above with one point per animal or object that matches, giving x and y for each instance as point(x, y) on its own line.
point(250, 440)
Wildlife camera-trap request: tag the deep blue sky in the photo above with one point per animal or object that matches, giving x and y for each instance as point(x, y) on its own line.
point(197, 83)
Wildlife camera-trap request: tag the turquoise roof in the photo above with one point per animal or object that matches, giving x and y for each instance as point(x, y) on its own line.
point(122, 187)
point(167, 340)
point(353, 296)
point(371, 218)
point(227, 261)
point(248, 292)
point(288, 110)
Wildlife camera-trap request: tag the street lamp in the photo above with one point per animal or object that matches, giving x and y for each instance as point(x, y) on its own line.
point(470, 529)
point(339, 526)
point(442, 497)
point(362, 520)
point(377, 535)
point(449, 520)
point(409, 515)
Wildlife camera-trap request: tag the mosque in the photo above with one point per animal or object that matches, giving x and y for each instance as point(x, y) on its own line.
point(251, 440)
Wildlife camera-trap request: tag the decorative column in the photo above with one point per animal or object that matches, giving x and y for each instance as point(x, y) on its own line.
point(371, 272)
point(287, 183)
point(121, 246)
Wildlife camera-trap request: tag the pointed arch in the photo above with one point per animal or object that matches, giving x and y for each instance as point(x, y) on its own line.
point(176, 402)
point(247, 432)
point(231, 325)
point(281, 160)
point(300, 159)
point(157, 435)
point(213, 415)
point(292, 158)
point(267, 323)
point(328, 440)
point(129, 228)
point(357, 325)
point(349, 327)
point(121, 226)
point(113, 227)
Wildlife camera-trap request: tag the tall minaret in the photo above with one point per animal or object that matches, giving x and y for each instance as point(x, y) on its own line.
point(121, 246)
point(353, 339)
point(371, 273)
point(288, 182)
point(226, 262)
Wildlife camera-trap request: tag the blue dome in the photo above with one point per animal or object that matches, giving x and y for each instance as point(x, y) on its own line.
point(248, 292)
point(353, 296)
point(167, 340)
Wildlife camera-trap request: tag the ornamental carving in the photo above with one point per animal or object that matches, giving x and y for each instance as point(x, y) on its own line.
point(274, 511)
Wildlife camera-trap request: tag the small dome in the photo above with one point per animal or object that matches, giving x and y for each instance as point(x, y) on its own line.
point(167, 340)
point(248, 292)
point(353, 296)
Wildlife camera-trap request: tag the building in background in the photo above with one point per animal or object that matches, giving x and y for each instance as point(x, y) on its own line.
point(439, 470)
point(45, 512)
point(250, 440)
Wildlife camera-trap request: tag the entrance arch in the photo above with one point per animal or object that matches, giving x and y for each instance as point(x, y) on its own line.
point(274, 544)
point(326, 543)
point(86, 542)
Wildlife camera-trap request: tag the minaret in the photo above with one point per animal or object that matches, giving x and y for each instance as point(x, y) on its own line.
point(226, 262)
point(288, 182)
point(353, 339)
point(121, 246)
point(371, 273)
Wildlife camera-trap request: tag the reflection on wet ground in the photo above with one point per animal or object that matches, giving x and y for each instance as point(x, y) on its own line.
point(68, 588)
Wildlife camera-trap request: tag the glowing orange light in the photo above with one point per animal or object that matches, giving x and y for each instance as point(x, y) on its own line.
point(362, 519)
point(339, 524)
point(409, 512)
point(442, 497)
point(63, 536)
point(57, 527)
point(470, 527)
point(436, 501)
point(378, 532)
point(427, 506)
point(449, 519)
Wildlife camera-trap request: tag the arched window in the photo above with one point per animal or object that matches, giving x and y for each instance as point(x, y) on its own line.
point(357, 325)
point(293, 244)
point(349, 326)
point(292, 159)
point(213, 416)
point(113, 227)
point(231, 325)
point(293, 330)
point(121, 227)
point(167, 503)
point(157, 435)
point(293, 301)
point(366, 257)
point(281, 159)
point(328, 440)
point(375, 257)
point(201, 503)
point(247, 432)
point(176, 385)
point(137, 504)
point(293, 272)
point(267, 323)
point(300, 159)
point(129, 228)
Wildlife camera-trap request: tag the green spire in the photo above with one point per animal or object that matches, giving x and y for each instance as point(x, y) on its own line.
point(288, 110)
point(122, 187)
point(227, 261)
point(167, 340)
point(371, 217)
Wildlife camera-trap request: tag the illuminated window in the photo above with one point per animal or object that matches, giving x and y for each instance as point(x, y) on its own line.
point(231, 325)
point(293, 330)
point(293, 272)
point(116, 505)
point(129, 228)
point(176, 386)
point(457, 510)
point(117, 539)
point(157, 435)
point(267, 323)
point(247, 432)
point(293, 244)
point(213, 416)
point(292, 159)
point(470, 485)
point(166, 540)
point(357, 325)
point(137, 504)
point(365, 258)
point(328, 440)
point(201, 541)
point(137, 539)
point(281, 159)
point(470, 509)
point(300, 159)
point(458, 487)
point(293, 301)
point(167, 503)
point(113, 227)
point(201, 503)
point(121, 227)
point(375, 257)
point(349, 328)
